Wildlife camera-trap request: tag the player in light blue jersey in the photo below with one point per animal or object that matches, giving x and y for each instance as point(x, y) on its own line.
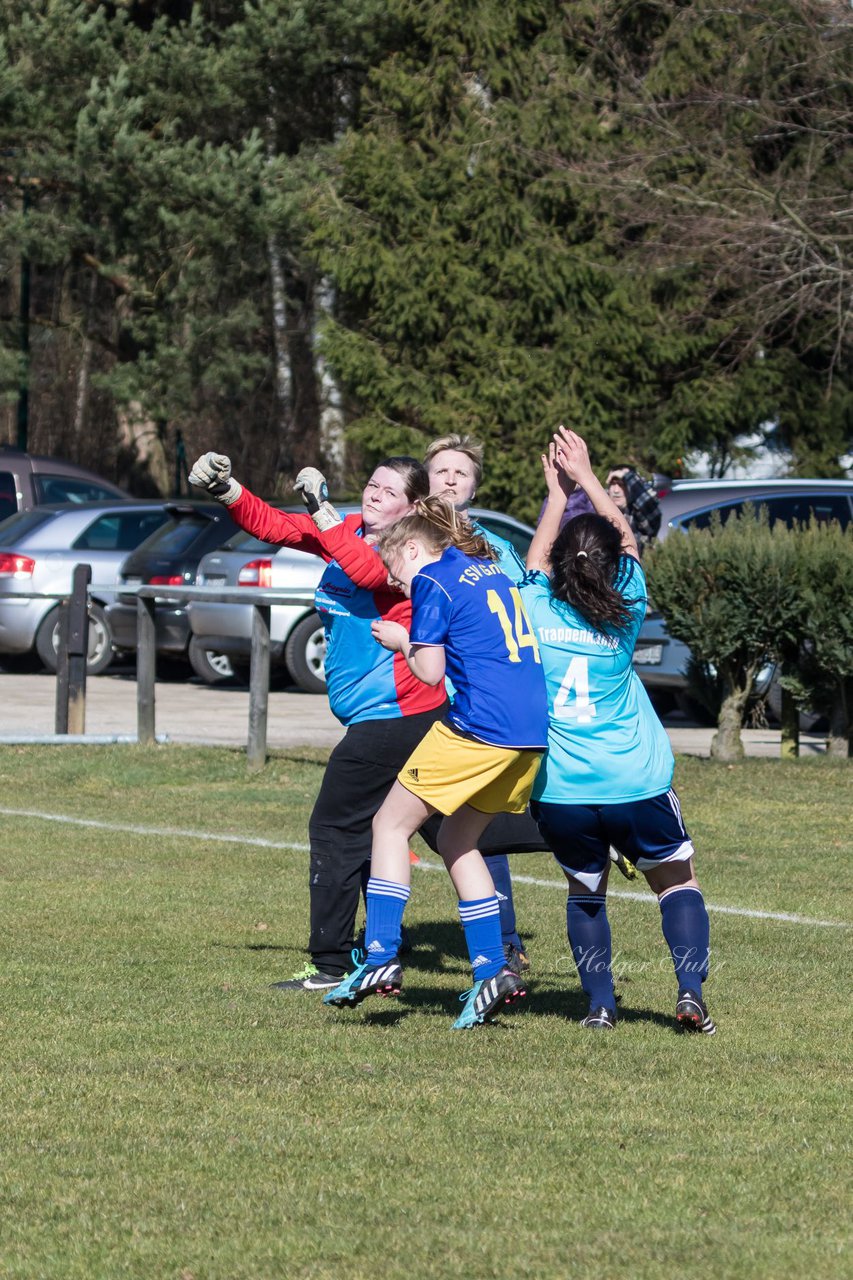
point(606, 778)
point(468, 622)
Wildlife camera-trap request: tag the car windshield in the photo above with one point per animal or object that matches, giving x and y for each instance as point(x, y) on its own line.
point(244, 541)
point(55, 488)
point(21, 524)
point(119, 531)
point(519, 538)
point(788, 508)
point(177, 536)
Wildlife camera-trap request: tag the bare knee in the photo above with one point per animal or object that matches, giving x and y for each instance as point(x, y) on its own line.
point(671, 875)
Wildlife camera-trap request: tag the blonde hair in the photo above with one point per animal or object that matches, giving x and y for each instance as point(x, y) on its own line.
point(460, 444)
point(438, 525)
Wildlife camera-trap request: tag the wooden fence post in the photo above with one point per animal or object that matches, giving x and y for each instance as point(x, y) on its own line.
point(74, 655)
point(259, 687)
point(146, 670)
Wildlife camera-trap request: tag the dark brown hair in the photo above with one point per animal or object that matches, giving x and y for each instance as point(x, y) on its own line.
point(584, 561)
point(414, 475)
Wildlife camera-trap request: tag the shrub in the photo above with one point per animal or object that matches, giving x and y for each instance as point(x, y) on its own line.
point(730, 593)
point(824, 670)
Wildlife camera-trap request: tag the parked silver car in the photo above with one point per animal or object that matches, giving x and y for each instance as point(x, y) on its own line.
point(38, 552)
point(660, 660)
point(297, 640)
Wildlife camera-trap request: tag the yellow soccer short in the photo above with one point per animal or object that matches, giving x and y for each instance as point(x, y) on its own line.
point(446, 771)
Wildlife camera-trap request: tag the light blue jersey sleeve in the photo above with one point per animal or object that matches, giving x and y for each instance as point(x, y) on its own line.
point(509, 560)
point(605, 742)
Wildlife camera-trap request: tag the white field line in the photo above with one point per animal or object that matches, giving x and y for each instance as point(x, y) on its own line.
point(258, 842)
point(152, 831)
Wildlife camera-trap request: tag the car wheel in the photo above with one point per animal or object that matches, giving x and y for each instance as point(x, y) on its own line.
point(208, 664)
point(305, 654)
point(100, 641)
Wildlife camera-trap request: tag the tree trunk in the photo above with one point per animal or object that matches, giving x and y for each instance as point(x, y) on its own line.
point(143, 440)
point(727, 743)
point(840, 740)
point(789, 748)
point(279, 327)
point(300, 446)
point(332, 439)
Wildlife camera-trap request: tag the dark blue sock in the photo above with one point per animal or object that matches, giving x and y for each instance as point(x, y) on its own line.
point(589, 938)
point(481, 921)
point(684, 919)
point(386, 902)
point(498, 864)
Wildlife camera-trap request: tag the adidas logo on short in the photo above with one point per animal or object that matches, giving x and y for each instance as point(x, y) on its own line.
point(413, 773)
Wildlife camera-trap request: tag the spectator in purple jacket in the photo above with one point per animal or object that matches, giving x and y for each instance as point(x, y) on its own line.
point(577, 504)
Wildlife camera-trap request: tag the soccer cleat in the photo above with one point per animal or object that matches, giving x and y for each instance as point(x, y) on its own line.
point(691, 1014)
point(308, 979)
point(366, 980)
point(486, 995)
point(629, 871)
point(516, 958)
point(600, 1019)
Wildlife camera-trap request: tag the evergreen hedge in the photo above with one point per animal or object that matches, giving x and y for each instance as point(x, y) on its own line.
point(741, 592)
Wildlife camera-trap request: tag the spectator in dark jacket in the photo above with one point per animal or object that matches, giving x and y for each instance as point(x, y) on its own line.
point(636, 497)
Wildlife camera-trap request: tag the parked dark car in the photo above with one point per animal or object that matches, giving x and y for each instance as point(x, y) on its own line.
point(38, 552)
point(28, 480)
point(786, 500)
point(660, 660)
point(169, 558)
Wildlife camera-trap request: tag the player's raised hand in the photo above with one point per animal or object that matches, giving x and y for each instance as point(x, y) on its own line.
point(557, 481)
point(573, 455)
point(212, 471)
point(311, 485)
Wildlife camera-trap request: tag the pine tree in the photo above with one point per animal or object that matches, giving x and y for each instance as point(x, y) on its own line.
point(492, 274)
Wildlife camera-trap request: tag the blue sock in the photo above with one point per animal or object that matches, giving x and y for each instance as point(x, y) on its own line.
point(481, 920)
point(684, 919)
point(498, 864)
point(386, 902)
point(589, 938)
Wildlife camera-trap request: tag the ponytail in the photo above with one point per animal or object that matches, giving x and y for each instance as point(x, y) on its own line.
point(584, 562)
point(438, 525)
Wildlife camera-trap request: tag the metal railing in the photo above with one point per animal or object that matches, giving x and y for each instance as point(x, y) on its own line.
point(71, 669)
point(261, 600)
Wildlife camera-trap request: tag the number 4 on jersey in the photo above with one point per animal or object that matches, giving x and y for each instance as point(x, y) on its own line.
point(575, 681)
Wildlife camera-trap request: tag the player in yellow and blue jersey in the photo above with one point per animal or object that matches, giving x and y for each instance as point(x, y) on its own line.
point(468, 623)
point(607, 775)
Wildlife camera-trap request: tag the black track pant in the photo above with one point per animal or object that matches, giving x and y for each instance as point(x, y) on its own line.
point(360, 773)
point(506, 833)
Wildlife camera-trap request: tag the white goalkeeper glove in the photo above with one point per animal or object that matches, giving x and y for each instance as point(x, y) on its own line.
point(212, 471)
point(311, 484)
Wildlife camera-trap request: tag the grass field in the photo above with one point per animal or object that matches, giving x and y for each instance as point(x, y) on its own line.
point(165, 1114)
